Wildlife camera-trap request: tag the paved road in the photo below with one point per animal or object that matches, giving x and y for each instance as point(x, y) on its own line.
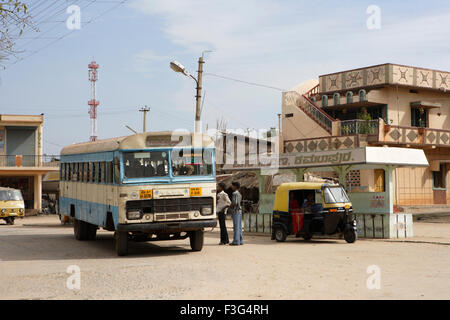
point(36, 252)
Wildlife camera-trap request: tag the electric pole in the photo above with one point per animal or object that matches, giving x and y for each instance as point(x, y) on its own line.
point(144, 110)
point(198, 108)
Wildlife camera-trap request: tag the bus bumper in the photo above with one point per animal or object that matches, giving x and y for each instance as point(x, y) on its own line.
point(172, 226)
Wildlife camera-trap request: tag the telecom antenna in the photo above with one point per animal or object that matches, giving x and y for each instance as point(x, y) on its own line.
point(93, 103)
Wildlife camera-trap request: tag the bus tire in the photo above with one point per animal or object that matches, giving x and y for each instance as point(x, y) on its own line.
point(10, 221)
point(91, 231)
point(80, 230)
point(121, 243)
point(196, 240)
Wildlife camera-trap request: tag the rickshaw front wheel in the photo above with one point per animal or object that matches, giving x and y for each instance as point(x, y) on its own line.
point(280, 234)
point(350, 236)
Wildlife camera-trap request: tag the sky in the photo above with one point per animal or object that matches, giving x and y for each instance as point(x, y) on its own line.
point(278, 44)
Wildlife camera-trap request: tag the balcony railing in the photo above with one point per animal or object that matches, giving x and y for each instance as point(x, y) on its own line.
point(29, 160)
point(314, 112)
point(352, 127)
point(414, 136)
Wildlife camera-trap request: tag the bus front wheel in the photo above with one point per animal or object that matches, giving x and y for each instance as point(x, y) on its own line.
point(10, 220)
point(121, 243)
point(196, 240)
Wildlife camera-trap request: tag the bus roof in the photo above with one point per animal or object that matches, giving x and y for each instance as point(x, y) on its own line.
point(139, 141)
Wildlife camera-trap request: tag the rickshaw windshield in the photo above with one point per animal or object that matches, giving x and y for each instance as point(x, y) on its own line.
point(10, 195)
point(335, 195)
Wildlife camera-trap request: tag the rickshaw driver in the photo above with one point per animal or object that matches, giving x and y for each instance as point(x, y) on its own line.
point(309, 203)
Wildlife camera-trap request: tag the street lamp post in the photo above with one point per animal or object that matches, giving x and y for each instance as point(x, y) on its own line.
point(178, 67)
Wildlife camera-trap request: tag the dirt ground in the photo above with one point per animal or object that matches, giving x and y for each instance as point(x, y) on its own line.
point(36, 252)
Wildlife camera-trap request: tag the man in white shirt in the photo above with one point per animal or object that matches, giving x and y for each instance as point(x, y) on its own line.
point(223, 202)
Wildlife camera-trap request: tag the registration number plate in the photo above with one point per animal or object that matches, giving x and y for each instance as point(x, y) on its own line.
point(145, 194)
point(195, 192)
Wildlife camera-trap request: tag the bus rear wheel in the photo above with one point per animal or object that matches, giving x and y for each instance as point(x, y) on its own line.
point(80, 230)
point(91, 232)
point(196, 240)
point(121, 243)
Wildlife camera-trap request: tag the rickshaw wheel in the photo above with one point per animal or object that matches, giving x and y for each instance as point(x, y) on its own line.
point(307, 236)
point(280, 234)
point(350, 236)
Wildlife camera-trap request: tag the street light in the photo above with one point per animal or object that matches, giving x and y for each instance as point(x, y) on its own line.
point(178, 67)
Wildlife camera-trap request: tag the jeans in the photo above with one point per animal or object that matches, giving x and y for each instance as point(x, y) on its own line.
point(237, 228)
point(223, 228)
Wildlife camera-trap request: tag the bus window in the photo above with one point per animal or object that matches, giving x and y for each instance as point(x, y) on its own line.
point(109, 172)
point(102, 172)
point(82, 172)
point(193, 163)
point(146, 164)
point(89, 172)
point(116, 170)
point(95, 172)
point(63, 172)
point(75, 172)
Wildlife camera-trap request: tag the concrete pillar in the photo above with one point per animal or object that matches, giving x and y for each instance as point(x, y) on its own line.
point(342, 172)
point(389, 185)
point(38, 192)
point(300, 174)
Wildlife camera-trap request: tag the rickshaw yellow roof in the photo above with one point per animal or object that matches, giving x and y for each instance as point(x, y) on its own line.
point(301, 185)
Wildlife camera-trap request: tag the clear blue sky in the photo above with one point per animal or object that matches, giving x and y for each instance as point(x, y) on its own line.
point(277, 43)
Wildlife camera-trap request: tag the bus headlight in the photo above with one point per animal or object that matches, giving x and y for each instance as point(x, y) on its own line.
point(134, 214)
point(206, 211)
point(3, 210)
point(21, 210)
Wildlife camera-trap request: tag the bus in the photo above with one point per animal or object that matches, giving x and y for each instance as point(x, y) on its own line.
point(144, 187)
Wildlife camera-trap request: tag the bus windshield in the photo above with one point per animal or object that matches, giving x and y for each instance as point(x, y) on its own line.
point(10, 195)
point(335, 195)
point(145, 164)
point(190, 162)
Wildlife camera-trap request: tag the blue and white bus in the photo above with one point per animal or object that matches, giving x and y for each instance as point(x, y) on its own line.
point(148, 186)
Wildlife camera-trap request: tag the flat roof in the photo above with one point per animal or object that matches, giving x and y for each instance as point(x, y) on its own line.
point(364, 157)
point(8, 119)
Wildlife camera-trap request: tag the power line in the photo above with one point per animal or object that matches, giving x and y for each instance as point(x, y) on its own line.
point(118, 3)
point(246, 82)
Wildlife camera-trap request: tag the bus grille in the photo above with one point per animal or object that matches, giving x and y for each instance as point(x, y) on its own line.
point(171, 216)
point(170, 205)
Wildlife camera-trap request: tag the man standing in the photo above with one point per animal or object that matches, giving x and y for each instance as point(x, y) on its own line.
point(237, 215)
point(223, 202)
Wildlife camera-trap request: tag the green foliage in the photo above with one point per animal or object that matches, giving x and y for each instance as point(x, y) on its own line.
point(14, 19)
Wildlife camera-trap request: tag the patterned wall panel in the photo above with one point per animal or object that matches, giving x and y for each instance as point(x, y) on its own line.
point(354, 79)
point(403, 75)
point(442, 80)
point(333, 82)
point(385, 74)
point(321, 144)
point(376, 75)
point(424, 78)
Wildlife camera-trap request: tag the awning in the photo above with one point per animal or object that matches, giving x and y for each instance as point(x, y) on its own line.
point(425, 104)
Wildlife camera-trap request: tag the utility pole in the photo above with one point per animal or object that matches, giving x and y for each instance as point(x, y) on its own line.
point(144, 110)
point(198, 107)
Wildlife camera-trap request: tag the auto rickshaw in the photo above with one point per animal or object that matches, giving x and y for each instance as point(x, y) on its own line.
point(11, 205)
point(307, 209)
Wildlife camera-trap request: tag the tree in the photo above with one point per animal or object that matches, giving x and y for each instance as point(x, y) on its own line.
point(14, 19)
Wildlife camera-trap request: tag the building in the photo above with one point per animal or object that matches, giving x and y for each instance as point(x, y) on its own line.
point(22, 162)
point(386, 105)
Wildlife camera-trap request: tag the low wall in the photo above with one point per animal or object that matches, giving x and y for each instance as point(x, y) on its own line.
point(374, 226)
